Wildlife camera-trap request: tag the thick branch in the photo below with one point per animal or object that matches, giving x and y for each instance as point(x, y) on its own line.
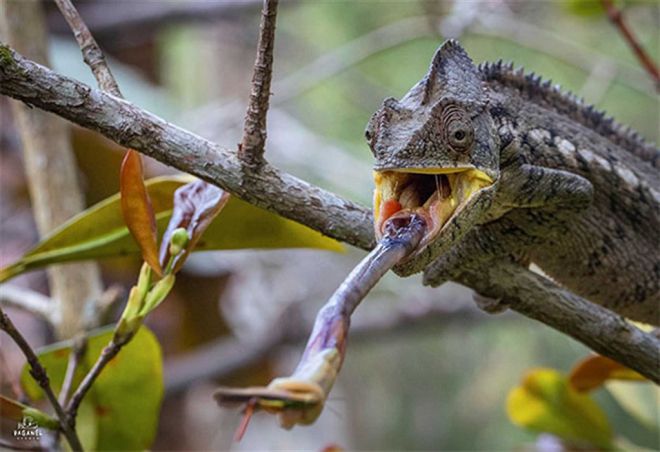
point(252, 146)
point(538, 298)
point(132, 127)
point(282, 193)
point(41, 377)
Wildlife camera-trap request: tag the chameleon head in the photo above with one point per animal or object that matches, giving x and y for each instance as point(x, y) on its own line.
point(437, 155)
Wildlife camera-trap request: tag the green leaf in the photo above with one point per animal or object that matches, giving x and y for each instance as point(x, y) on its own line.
point(124, 402)
point(157, 294)
point(100, 231)
point(545, 402)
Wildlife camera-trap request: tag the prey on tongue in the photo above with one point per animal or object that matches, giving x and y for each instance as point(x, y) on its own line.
point(299, 399)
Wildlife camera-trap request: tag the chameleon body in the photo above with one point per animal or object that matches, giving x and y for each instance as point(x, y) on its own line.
point(506, 166)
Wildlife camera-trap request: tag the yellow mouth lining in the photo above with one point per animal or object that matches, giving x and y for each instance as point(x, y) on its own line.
point(435, 193)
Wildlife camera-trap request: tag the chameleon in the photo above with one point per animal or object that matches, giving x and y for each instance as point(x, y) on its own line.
point(502, 165)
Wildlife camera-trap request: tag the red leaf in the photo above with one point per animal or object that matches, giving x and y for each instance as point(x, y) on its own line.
point(195, 206)
point(136, 207)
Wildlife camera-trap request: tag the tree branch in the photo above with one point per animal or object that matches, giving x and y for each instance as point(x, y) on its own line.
point(78, 349)
point(108, 352)
point(133, 127)
point(538, 298)
point(288, 196)
point(251, 149)
point(41, 377)
point(616, 17)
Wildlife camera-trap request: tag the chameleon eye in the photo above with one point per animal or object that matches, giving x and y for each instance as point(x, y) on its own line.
point(460, 135)
point(459, 132)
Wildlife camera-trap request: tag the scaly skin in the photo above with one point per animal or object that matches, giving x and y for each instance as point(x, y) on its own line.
point(573, 192)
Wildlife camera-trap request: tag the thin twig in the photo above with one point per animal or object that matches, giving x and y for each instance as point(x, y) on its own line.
point(28, 300)
point(92, 53)
point(78, 349)
point(94, 313)
point(616, 17)
point(109, 352)
point(251, 149)
point(41, 377)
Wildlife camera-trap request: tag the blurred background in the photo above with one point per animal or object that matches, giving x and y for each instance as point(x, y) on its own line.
point(425, 369)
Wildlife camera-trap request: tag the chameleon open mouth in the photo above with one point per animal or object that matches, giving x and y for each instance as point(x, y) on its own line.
point(436, 194)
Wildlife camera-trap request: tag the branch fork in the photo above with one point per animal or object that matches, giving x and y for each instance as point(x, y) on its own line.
point(252, 146)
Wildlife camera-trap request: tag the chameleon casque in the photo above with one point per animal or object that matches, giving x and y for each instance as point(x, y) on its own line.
point(504, 166)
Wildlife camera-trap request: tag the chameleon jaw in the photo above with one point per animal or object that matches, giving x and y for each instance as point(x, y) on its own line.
point(436, 194)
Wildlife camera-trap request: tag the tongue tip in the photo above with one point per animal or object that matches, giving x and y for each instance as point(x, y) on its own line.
point(411, 223)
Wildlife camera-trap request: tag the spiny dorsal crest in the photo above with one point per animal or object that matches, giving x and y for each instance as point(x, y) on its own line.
point(452, 74)
point(552, 96)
